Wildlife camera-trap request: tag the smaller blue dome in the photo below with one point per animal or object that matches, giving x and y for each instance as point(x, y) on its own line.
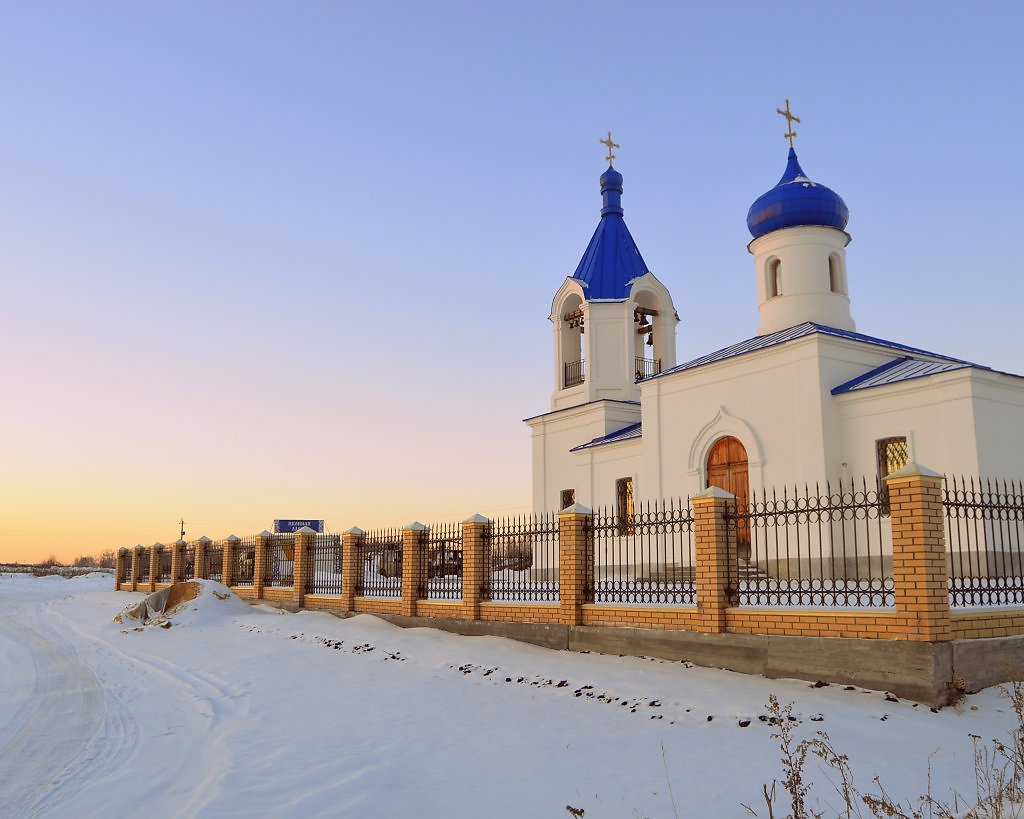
point(611, 179)
point(796, 201)
point(611, 192)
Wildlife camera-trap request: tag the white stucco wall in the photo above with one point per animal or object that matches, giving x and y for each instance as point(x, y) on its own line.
point(935, 414)
point(778, 403)
point(603, 466)
point(806, 294)
point(554, 434)
point(999, 418)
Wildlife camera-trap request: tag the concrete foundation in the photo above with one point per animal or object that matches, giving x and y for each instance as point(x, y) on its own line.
point(928, 673)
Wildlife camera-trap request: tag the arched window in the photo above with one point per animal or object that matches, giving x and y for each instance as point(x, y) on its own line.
point(835, 276)
point(774, 278)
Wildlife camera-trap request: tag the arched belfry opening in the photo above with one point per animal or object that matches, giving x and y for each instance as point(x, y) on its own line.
point(571, 342)
point(650, 339)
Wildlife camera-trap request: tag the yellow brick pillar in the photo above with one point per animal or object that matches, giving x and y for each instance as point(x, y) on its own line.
point(154, 564)
point(231, 544)
point(264, 540)
point(475, 543)
point(352, 566)
point(717, 563)
point(120, 563)
point(305, 539)
point(413, 565)
point(575, 562)
point(138, 555)
point(177, 559)
point(200, 571)
point(920, 565)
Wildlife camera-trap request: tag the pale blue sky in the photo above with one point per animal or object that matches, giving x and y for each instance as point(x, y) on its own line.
point(205, 205)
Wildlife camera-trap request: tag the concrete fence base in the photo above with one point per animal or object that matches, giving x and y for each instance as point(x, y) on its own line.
point(930, 673)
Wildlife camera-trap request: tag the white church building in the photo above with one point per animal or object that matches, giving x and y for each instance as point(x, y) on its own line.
point(806, 399)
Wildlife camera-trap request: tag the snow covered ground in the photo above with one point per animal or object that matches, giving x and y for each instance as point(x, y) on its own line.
point(240, 710)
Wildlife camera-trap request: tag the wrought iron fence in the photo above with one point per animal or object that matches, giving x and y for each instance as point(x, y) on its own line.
point(644, 555)
point(126, 570)
point(144, 566)
point(323, 561)
point(813, 548)
point(215, 562)
point(574, 373)
point(188, 562)
point(380, 554)
point(521, 559)
point(163, 564)
point(645, 367)
point(279, 561)
point(984, 526)
point(441, 563)
point(243, 561)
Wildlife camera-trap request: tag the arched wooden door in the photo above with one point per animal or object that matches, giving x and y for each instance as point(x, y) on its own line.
point(727, 469)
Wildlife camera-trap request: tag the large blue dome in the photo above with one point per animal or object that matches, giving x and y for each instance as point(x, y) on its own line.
point(796, 201)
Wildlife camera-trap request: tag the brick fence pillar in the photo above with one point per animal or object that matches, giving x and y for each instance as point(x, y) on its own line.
point(259, 563)
point(231, 544)
point(351, 566)
point(137, 557)
point(200, 570)
point(413, 569)
point(305, 540)
point(154, 564)
point(920, 565)
point(177, 560)
point(475, 544)
point(575, 561)
point(717, 564)
point(119, 565)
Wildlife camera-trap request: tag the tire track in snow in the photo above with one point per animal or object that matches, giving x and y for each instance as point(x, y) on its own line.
point(200, 706)
point(66, 733)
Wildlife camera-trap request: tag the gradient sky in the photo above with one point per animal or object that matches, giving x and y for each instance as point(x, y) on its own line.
point(265, 260)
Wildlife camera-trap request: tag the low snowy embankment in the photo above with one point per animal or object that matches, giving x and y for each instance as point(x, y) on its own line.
point(233, 709)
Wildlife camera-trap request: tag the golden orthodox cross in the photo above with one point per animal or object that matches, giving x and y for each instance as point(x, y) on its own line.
point(611, 145)
point(790, 119)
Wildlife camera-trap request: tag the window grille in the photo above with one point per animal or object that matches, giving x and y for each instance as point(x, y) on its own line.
point(892, 454)
point(624, 505)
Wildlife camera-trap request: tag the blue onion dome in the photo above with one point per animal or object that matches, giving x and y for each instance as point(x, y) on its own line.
point(796, 201)
point(611, 192)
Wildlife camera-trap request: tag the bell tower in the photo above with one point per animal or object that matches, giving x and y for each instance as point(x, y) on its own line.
point(614, 322)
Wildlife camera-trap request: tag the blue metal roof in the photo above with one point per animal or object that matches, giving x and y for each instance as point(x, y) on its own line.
point(900, 369)
point(612, 259)
point(796, 201)
point(792, 334)
point(624, 434)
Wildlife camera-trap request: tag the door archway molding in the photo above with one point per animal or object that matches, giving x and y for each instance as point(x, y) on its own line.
point(721, 425)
